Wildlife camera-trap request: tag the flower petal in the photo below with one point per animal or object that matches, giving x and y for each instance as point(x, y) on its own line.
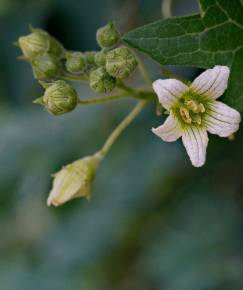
point(168, 91)
point(170, 131)
point(221, 119)
point(195, 140)
point(212, 83)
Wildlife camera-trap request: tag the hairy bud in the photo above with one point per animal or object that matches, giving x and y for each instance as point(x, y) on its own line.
point(90, 57)
point(100, 81)
point(73, 180)
point(46, 67)
point(107, 35)
point(59, 98)
point(75, 62)
point(39, 42)
point(120, 62)
point(100, 58)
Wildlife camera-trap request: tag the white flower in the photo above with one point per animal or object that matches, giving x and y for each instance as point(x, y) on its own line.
point(194, 111)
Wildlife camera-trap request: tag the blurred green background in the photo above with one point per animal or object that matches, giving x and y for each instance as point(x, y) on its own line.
point(154, 222)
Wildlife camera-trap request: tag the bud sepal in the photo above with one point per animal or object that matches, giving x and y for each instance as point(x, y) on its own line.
point(75, 62)
point(107, 36)
point(46, 67)
point(74, 180)
point(59, 98)
point(100, 81)
point(39, 42)
point(120, 62)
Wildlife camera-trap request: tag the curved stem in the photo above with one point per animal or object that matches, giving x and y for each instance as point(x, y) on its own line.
point(166, 8)
point(121, 85)
point(121, 127)
point(103, 99)
point(143, 71)
point(71, 77)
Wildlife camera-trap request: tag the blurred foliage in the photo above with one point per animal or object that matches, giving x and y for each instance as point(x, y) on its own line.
point(153, 221)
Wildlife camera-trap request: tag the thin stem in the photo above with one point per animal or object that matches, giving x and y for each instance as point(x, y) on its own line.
point(144, 71)
point(121, 85)
point(166, 8)
point(71, 77)
point(103, 99)
point(169, 74)
point(121, 127)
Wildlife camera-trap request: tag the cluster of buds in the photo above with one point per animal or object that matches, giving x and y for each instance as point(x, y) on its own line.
point(43, 52)
point(51, 63)
point(52, 66)
point(112, 62)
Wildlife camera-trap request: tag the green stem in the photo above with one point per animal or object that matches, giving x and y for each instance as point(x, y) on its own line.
point(121, 127)
point(103, 99)
point(121, 85)
point(166, 8)
point(71, 77)
point(143, 71)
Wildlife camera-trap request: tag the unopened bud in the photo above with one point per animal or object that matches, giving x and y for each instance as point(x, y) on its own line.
point(75, 62)
point(59, 98)
point(120, 62)
point(73, 181)
point(46, 67)
point(100, 58)
point(107, 35)
point(100, 81)
point(38, 43)
point(90, 57)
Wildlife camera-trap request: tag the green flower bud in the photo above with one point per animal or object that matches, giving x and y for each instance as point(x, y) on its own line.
point(46, 67)
point(107, 35)
point(59, 98)
point(90, 57)
point(75, 62)
point(73, 180)
point(100, 58)
point(120, 62)
point(100, 81)
point(38, 43)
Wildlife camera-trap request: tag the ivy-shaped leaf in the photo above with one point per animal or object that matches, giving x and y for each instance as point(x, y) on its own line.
point(214, 37)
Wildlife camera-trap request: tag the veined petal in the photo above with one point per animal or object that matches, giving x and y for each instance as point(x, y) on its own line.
point(212, 83)
point(168, 91)
point(170, 131)
point(195, 140)
point(221, 119)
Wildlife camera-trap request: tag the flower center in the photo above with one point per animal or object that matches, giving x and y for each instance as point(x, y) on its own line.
point(190, 109)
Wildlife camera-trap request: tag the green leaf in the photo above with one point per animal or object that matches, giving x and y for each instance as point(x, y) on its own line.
point(214, 37)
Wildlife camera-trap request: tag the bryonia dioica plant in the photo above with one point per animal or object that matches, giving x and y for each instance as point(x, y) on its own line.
point(193, 108)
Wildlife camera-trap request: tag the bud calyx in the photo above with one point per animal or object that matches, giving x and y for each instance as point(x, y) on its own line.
point(100, 81)
point(107, 36)
point(59, 98)
point(73, 181)
point(120, 62)
point(39, 42)
point(75, 62)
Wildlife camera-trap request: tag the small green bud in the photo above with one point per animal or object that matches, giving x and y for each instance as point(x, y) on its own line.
point(38, 43)
point(120, 62)
point(73, 180)
point(59, 98)
point(107, 35)
point(100, 58)
point(90, 57)
point(100, 81)
point(75, 62)
point(46, 67)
